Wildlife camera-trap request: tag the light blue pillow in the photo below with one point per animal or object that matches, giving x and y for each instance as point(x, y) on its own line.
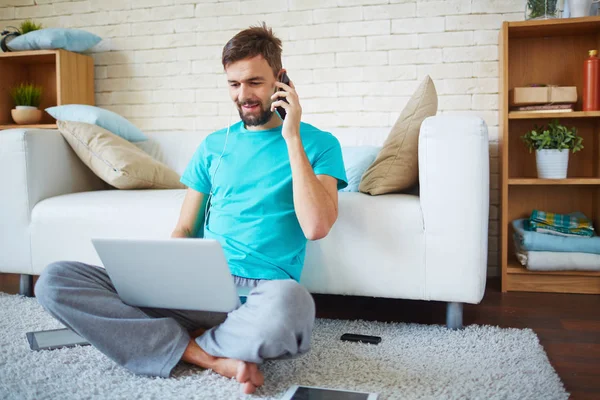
point(75, 40)
point(356, 160)
point(106, 119)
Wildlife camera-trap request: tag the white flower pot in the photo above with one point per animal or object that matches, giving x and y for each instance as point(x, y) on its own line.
point(580, 8)
point(551, 163)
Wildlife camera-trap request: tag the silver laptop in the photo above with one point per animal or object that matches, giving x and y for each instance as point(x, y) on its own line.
point(185, 274)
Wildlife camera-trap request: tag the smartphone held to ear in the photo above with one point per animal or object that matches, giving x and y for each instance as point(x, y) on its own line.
point(283, 79)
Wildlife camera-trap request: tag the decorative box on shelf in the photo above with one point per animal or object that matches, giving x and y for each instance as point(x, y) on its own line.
point(65, 77)
point(542, 94)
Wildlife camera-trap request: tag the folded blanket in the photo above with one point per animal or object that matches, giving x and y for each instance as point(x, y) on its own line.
point(558, 261)
point(553, 232)
point(567, 224)
point(535, 241)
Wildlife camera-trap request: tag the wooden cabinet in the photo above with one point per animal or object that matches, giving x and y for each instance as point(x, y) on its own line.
point(550, 52)
point(66, 78)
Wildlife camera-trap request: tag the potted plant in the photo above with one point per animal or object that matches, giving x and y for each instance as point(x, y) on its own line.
point(27, 98)
point(552, 145)
point(541, 9)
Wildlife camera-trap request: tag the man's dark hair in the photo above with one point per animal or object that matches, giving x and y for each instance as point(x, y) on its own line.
point(251, 42)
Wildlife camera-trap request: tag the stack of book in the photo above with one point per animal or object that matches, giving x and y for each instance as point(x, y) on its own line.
point(543, 108)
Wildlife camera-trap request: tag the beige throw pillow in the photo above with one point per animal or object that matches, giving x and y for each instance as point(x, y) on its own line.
point(396, 166)
point(115, 160)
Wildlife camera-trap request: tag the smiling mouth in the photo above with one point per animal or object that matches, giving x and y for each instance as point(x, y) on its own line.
point(250, 107)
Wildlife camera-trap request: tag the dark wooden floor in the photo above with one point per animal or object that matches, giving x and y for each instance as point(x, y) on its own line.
point(568, 325)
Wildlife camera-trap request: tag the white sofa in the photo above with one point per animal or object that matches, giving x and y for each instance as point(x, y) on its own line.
point(431, 245)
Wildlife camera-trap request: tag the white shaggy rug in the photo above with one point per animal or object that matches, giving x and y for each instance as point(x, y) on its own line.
point(412, 362)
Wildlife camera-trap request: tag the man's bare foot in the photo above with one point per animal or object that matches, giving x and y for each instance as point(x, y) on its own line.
point(249, 373)
point(245, 373)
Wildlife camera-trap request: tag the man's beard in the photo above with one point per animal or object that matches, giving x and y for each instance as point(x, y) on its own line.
point(255, 119)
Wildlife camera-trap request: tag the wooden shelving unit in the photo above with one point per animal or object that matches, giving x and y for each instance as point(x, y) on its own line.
point(66, 78)
point(567, 181)
point(562, 115)
point(553, 52)
point(40, 126)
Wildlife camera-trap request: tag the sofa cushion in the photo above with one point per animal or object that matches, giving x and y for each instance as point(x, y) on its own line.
point(356, 161)
point(107, 119)
point(115, 160)
point(62, 226)
point(76, 40)
point(396, 166)
point(376, 246)
point(176, 148)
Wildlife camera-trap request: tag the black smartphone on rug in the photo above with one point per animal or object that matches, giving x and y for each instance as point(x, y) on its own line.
point(353, 337)
point(54, 339)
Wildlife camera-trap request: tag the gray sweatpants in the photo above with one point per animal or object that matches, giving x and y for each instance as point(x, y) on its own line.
point(276, 321)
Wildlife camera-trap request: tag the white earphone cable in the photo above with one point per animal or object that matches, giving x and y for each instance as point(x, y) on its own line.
point(207, 209)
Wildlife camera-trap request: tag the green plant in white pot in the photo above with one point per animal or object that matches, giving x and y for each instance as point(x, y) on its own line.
point(552, 144)
point(27, 98)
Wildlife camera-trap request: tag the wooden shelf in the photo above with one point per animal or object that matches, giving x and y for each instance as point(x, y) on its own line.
point(536, 115)
point(38, 126)
point(567, 181)
point(554, 27)
point(515, 268)
point(35, 53)
point(521, 279)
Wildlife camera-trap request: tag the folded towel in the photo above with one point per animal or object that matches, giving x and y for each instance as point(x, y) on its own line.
point(570, 224)
point(572, 220)
point(557, 233)
point(553, 230)
point(558, 261)
point(535, 241)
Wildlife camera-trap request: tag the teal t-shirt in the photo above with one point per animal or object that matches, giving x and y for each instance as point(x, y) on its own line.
point(252, 207)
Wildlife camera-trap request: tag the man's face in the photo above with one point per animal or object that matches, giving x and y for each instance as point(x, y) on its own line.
point(251, 84)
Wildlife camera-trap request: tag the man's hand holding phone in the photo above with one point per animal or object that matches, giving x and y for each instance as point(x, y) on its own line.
point(293, 110)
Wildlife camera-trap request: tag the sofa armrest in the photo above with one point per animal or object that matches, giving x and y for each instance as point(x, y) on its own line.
point(454, 194)
point(35, 164)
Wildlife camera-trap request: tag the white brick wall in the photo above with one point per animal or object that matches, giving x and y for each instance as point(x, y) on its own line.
point(354, 62)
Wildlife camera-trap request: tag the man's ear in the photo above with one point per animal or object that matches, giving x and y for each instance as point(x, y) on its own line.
point(281, 71)
point(278, 79)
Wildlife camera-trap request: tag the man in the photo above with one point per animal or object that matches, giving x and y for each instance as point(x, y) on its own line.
point(272, 185)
